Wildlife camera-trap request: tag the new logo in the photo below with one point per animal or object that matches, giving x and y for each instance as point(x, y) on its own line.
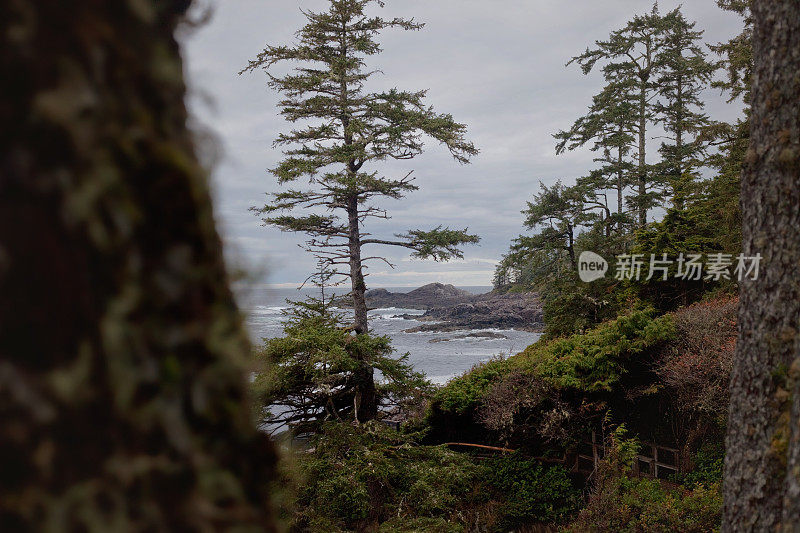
point(591, 267)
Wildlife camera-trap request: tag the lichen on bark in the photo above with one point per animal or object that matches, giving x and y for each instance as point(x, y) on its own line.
point(762, 468)
point(122, 354)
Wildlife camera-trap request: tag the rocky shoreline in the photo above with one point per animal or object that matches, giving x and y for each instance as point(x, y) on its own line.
point(449, 308)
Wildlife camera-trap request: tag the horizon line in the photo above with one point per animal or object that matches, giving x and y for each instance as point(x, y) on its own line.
point(297, 286)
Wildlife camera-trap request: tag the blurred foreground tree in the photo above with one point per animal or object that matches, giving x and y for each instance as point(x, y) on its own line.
point(122, 354)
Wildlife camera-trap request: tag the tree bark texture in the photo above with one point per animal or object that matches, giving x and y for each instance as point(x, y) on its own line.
point(123, 392)
point(762, 467)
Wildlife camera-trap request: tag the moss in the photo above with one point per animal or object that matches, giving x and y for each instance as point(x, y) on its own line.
point(125, 349)
point(779, 445)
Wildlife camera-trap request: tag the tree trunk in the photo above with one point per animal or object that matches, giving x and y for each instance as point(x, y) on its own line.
point(123, 391)
point(762, 467)
point(620, 188)
point(359, 286)
point(366, 407)
point(571, 247)
point(366, 398)
point(643, 152)
point(679, 185)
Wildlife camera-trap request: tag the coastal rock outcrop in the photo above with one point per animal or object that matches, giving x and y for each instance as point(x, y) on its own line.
point(450, 308)
point(425, 297)
point(492, 310)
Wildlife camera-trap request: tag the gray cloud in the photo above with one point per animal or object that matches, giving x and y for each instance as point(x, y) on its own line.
point(497, 66)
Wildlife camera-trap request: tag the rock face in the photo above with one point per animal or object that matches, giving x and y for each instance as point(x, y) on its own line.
point(426, 297)
point(453, 308)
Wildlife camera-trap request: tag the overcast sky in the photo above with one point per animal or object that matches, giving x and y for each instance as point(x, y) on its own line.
point(497, 66)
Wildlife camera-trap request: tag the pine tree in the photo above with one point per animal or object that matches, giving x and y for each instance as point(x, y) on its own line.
point(737, 54)
point(684, 74)
point(343, 133)
point(630, 59)
point(721, 194)
point(557, 213)
point(310, 374)
point(611, 125)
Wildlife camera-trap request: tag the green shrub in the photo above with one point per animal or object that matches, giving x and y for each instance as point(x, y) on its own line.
point(371, 474)
point(708, 465)
point(530, 492)
point(590, 363)
point(463, 393)
point(376, 478)
point(632, 505)
point(418, 525)
point(596, 360)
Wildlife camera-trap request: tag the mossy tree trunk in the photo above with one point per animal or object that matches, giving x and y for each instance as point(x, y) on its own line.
point(762, 469)
point(122, 386)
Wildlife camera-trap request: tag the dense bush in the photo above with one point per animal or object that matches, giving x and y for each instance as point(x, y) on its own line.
point(634, 505)
point(571, 306)
point(597, 359)
point(463, 393)
point(316, 371)
point(531, 492)
point(697, 366)
point(549, 382)
point(371, 477)
point(707, 465)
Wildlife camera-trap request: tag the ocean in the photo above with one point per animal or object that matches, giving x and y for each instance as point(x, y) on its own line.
point(439, 355)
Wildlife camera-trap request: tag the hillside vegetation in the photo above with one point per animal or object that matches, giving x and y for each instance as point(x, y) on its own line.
point(641, 377)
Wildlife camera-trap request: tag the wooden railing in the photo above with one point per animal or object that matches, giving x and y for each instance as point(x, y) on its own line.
point(654, 461)
point(481, 451)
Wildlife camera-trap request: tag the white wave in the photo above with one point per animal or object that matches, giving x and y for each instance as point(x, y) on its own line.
point(441, 380)
point(267, 311)
point(399, 310)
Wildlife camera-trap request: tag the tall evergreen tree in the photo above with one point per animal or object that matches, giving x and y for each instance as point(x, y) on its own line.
point(630, 59)
point(344, 132)
point(737, 54)
point(557, 213)
point(611, 126)
point(684, 74)
point(721, 194)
